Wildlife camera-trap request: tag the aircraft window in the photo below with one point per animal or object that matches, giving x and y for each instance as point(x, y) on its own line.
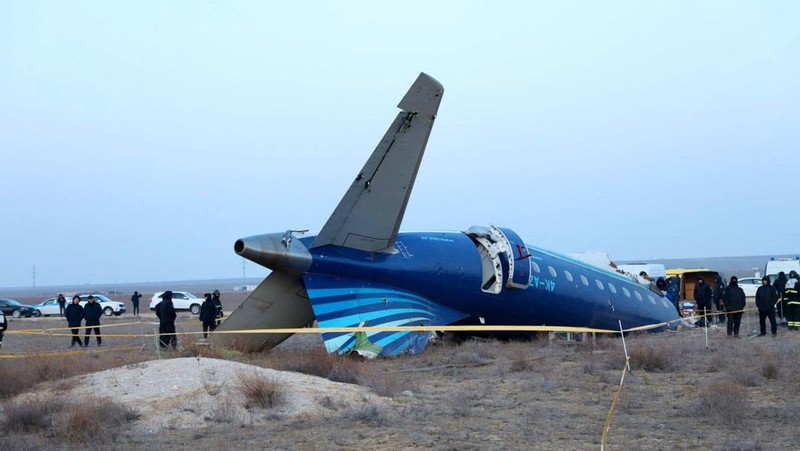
point(666, 304)
point(584, 280)
point(652, 299)
point(599, 284)
point(535, 266)
point(552, 271)
point(627, 293)
point(568, 275)
point(612, 288)
point(638, 295)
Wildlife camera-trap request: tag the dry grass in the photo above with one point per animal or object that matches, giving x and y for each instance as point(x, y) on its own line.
point(770, 366)
point(370, 414)
point(725, 401)
point(652, 357)
point(316, 362)
point(91, 421)
point(26, 415)
point(346, 369)
point(259, 390)
point(96, 420)
point(223, 411)
point(19, 375)
point(733, 394)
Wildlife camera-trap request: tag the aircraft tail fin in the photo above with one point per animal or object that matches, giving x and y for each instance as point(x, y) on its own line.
point(369, 215)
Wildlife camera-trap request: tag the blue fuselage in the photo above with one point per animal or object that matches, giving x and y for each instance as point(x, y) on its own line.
point(445, 268)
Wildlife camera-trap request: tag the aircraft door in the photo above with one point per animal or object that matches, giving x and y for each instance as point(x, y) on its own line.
point(504, 258)
point(519, 260)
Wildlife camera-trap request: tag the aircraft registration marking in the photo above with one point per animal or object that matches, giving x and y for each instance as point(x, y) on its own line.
point(547, 284)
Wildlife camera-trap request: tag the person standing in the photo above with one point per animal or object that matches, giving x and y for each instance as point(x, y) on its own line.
point(74, 315)
point(135, 301)
point(3, 326)
point(780, 287)
point(792, 300)
point(719, 291)
point(208, 315)
point(673, 292)
point(766, 296)
point(217, 307)
point(62, 303)
point(733, 301)
point(92, 312)
point(702, 296)
point(165, 311)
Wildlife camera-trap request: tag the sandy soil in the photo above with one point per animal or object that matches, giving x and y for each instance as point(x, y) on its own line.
point(547, 394)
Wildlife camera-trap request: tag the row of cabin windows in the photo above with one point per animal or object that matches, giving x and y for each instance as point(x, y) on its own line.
point(599, 284)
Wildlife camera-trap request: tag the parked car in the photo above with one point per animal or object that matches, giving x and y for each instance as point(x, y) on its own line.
point(109, 307)
point(17, 310)
point(183, 300)
point(750, 285)
point(48, 307)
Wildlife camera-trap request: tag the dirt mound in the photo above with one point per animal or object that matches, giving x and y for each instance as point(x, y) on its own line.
point(189, 392)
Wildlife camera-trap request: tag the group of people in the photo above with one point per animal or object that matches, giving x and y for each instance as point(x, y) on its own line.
point(90, 313)
point(782, 298)
point(210, 315)
point(774, 301)
point(211, 312)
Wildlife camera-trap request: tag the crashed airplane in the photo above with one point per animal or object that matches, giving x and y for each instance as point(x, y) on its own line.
point(360, 270)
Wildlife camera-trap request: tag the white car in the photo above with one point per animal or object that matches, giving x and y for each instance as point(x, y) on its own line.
point(750, 285)
point(182, 300)
point(50, 306)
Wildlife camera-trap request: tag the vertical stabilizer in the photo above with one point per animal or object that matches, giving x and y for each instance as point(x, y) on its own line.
point(369, 215)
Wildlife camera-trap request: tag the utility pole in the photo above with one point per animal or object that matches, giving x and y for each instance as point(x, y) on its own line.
point(243, 263)
point(34, 277)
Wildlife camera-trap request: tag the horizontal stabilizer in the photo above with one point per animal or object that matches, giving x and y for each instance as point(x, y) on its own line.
point(278, 302)
point(340, 302)
point(369, 215)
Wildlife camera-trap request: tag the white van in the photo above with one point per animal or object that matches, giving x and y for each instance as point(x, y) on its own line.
point(785, 265)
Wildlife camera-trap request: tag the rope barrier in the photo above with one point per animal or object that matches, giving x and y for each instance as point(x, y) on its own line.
point(55, 331)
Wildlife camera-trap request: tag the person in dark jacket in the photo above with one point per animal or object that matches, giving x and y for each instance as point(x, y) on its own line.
point(217, 307)
point(719, 291)
point(703, 296)
point(208, 315)
point(780, 287)
point(74, 315)
point(92, 312)
point(135, 301)
point(3, 326)
point(165, 311)
point(766, 297)
point(733, 301)
point(62, 303)
point(673, 292)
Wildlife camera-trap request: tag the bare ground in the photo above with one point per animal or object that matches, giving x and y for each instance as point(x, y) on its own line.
point(546, 394)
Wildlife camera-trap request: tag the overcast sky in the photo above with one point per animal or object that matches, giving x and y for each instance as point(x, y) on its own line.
point(139, 140)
